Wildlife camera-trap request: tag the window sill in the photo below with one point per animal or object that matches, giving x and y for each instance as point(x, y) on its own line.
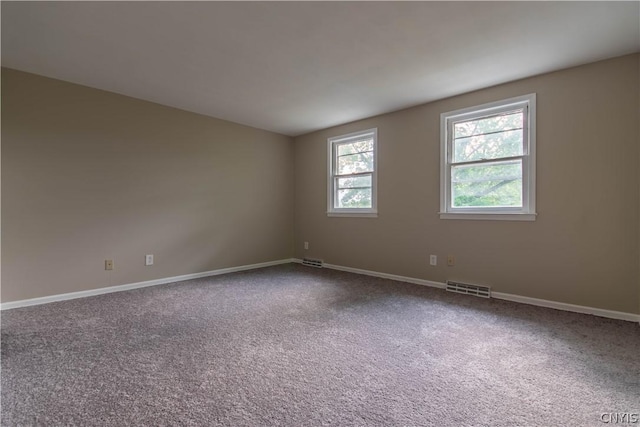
point(490, 216)
point(353, 214)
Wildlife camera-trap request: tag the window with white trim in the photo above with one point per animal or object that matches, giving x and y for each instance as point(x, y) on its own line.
point(487, 168)
point(353, 174)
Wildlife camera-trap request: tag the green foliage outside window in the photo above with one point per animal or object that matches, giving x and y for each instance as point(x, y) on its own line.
point(497, 183)
point(354, 158)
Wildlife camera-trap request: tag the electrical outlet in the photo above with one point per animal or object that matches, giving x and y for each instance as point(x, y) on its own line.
point(306, 245)
point(108, 264)
point(451, 260)
point(148, 260)
point(433, 259)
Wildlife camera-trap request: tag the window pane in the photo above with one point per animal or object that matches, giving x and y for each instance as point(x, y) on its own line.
point(356, 181)
point(355, 147)
point(354, 198)
point(488, 146)
point(489, 137)
point(497, 184)
point(504, 121)
point(355, 163)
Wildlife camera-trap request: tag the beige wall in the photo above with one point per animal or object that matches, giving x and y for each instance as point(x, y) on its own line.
point(89, 175)
point(582, 249)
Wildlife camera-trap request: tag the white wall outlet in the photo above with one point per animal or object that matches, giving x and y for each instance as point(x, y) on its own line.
point(148, 260)
point(108, 264)
point(433, 259)
point(451, 260)
point(306, 245)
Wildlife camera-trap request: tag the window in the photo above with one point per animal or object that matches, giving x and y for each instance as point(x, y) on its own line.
point(488, 161)
point(352, 174)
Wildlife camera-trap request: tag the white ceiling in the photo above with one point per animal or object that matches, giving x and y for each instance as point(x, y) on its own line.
point(295, 67)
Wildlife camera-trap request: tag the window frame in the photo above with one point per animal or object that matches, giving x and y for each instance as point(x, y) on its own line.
point(528, 210)
point(332, 143)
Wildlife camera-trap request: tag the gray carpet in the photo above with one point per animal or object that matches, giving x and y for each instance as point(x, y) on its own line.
point(297, 346)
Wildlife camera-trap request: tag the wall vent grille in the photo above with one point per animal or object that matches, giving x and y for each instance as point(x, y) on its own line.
point(465, 288)
point(311, 262)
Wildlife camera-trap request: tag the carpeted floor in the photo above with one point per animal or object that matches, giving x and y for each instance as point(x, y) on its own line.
point(296, 346)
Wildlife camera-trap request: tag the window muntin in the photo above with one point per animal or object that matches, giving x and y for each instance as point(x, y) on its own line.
point(488, 158)
point(352, 173)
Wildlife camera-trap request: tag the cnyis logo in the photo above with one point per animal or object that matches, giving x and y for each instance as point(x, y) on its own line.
point(620, 417)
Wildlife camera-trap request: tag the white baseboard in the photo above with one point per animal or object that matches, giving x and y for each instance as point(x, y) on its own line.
point(611, 314)
point(388, 276)
point(120, 288)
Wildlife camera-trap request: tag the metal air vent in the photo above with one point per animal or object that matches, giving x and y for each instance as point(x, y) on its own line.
point(311, 262)
point(466, 288)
